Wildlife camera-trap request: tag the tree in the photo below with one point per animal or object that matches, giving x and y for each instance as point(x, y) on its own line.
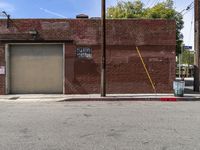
point(164, 10)
point(126, 10)
point(187, 57)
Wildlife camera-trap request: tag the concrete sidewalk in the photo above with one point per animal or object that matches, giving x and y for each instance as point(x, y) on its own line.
point(97, 97)
point(189, 95)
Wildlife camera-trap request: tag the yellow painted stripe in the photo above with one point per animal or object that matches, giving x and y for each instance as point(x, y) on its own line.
point(145, 68)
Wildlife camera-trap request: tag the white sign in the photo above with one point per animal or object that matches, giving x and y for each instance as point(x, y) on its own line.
point(84, 52)
point(2, 69)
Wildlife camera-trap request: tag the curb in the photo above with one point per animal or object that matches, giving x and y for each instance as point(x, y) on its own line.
point(167, 99)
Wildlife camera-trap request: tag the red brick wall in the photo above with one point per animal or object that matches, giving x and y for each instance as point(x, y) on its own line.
point(125, 73)
point(88, 32)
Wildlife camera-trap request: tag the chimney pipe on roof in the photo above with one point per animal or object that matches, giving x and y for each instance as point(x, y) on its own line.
point(82, 16)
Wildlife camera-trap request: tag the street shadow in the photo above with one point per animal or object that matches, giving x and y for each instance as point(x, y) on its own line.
point(189, 90)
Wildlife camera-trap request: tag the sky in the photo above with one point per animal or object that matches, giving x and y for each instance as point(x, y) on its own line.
point(70, 8)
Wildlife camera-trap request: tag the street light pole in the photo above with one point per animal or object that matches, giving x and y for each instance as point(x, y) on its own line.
point(103, 48)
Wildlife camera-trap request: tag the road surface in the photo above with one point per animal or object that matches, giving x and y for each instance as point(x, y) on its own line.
point(99, 126)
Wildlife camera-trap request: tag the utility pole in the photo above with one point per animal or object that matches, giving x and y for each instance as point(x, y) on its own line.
point(103, 48)
point(181, 61)
point(197, 45)
point(179, 67)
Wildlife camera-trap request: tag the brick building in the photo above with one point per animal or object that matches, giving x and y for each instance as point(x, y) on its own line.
point(64, 56)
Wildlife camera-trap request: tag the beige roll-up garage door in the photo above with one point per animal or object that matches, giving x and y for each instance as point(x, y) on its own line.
point(36, 69)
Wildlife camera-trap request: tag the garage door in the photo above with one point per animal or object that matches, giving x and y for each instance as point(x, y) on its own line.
point(36, 69)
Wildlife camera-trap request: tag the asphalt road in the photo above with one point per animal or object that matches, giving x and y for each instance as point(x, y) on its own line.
point(99, 126)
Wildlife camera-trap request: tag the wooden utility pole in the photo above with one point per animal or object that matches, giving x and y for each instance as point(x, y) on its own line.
point(197, 45)
point(103, 48)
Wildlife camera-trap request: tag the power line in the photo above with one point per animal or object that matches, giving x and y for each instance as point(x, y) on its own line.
point(157, 2)
point(188, 8)
point(192, 21)
point(148, 2)
point(153, 3)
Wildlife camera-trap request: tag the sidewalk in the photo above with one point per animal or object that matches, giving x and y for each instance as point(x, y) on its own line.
point(97, 97)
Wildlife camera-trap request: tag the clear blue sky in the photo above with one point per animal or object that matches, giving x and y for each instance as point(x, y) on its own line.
point(70, 8)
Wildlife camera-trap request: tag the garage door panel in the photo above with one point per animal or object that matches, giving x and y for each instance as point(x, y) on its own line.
point(36, 69)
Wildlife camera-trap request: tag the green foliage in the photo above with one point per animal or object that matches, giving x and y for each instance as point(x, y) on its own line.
point(188, 57)
point(126, 10)
point(136, 9)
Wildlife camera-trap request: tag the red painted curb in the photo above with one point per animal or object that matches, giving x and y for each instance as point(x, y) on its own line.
point(173, 99)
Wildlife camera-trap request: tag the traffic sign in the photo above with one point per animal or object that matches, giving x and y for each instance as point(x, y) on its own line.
point(187, 47)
